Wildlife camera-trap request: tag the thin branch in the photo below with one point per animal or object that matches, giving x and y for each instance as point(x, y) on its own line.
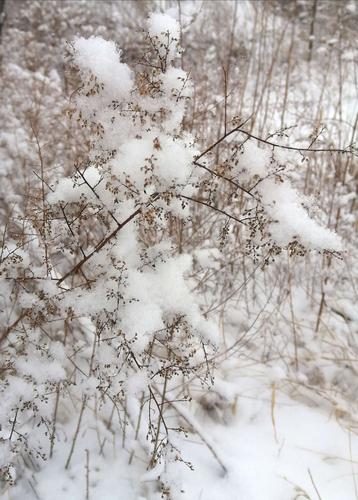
point(204, 437)
point(221, 139)
point(228, 179)
point(98, 247)
point(314, 485)
point(201, 202)
point(348, 149)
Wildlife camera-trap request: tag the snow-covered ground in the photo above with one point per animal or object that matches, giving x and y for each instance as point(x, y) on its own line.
point(274, 448)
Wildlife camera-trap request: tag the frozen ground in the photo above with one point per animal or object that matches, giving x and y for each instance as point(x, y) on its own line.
point(274, 447)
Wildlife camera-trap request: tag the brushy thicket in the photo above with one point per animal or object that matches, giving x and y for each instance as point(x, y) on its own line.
point(159, 206)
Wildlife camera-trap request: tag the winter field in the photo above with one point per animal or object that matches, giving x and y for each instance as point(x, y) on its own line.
point(178, 256)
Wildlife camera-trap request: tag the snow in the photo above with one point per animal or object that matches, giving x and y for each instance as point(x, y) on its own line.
point(253, 162)
point(291, 219)
point(167, 30)
point(101, 58)
point(175, 81)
